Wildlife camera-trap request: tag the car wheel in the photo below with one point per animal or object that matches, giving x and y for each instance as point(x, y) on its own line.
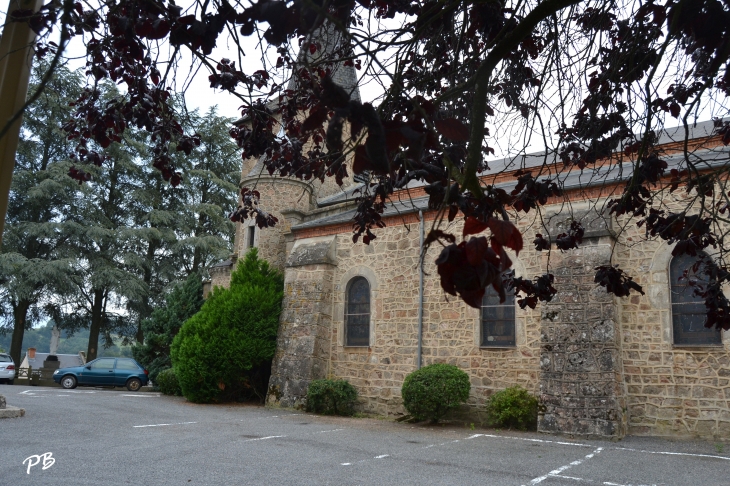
point(68, 382)
point(133, 384)
point(10, 382)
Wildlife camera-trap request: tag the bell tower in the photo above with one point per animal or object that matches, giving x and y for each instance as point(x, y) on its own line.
point(287, 198)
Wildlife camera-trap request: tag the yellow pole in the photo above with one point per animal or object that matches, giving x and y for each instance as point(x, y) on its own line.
point(16, 56)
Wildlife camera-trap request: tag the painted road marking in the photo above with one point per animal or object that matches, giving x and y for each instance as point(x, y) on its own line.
point(325, 431)
point(526, 439)
point(556, 472)
point(162, 425)
point(670, 453)
point(146, 395)
point(399, 453)
point(264, 438)
point(578, 444)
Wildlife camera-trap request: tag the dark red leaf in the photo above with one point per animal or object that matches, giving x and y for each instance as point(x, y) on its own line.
point(506, 234)
point(473, 226)
point(315, 119)
point(452, 129)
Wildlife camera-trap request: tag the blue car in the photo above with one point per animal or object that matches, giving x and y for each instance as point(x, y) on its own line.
point(104, 372)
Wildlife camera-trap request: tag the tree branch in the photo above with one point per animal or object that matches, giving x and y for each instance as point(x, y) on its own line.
point(482, 77)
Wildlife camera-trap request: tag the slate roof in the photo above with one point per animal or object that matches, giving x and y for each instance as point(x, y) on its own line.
point(570, 179)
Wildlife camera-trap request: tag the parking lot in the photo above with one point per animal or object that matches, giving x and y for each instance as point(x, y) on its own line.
point(114, 437)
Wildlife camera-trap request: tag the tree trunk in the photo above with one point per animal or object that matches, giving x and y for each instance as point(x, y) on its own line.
point(20, 312)
point(97, 318)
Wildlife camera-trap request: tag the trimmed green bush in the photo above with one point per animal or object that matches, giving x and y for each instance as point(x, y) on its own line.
point(512, 407)
point(429, 393)
point(331, 397)
point(167, 382)
point(220, 352)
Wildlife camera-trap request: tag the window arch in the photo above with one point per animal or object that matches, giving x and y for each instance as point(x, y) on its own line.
point(357, 313)
point(498, 319)
point(689, 311)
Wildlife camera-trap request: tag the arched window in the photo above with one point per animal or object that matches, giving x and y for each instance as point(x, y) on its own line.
point(498, 319)
point(689, 311)
point(357, 313)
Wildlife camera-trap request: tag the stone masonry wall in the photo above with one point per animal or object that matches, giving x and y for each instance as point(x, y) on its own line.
point(277, 195)
point(581, 385)
point(302, 341)
point(671, 390)
point(451, 329)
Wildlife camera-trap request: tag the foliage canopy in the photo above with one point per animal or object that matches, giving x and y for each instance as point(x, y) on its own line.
point(592, 80)
point(234, 333)
point(331, 397)
point(434, 390)
point(161, 328)
point(512, 407)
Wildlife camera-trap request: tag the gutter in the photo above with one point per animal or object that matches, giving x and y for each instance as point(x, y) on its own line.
point(420, 292)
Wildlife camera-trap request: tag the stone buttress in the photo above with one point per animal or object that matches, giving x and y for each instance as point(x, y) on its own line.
point(303, 341)
point(581, 377)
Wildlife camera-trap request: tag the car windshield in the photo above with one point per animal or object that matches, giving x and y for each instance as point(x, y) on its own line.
point(4, 358)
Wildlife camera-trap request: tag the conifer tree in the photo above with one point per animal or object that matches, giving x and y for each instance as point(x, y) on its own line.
point(42, 194)
point(183, 302)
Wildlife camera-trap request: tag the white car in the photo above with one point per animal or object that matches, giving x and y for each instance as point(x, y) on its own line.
point(7, 369)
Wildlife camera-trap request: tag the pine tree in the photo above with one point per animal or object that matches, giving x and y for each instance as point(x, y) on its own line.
point(184, 229)
point(211, 176)
point(103, 243)
point(31, 267)
point(159, 330)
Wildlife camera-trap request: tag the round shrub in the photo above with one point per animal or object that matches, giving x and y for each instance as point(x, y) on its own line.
point(167, 382)
point(429, 393)
point(234, 333)
point(331, 397)
point(512, 407)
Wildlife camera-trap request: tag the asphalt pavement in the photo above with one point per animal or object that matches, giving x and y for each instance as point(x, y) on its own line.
point(115, 437)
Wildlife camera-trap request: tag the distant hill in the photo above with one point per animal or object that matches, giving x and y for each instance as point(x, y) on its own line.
point(40, 338)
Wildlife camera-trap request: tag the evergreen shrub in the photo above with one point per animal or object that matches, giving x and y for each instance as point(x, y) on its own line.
point(184, 301)
point(167, 382)
point(220, 352)
point(331, 397)
point(512, 407)
point(432, 391)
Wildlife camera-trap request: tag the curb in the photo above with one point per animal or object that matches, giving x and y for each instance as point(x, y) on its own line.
point(11, 412)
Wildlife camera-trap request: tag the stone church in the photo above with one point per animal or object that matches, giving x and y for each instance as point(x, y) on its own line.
point(372, 314)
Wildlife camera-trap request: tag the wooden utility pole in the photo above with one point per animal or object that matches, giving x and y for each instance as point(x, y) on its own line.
point(16, 56)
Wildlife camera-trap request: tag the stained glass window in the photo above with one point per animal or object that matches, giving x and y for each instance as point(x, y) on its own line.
point(688, 310)
point(357, 313)
point(498, 319)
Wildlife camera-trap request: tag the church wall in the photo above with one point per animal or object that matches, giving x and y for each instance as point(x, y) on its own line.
point(277, 195)
point(672, 390)
point(618, 369)
point(451, 329)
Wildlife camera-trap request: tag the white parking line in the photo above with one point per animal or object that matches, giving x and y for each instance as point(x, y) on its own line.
point(527, 439)
point(146, 395)
point(264, 438)
point(162, 425)
point(33, 392)
point(670, 453)
point(578, 444)
point(556, 472)
point(325, 431)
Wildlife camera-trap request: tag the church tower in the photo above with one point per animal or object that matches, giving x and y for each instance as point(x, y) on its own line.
point(287, 198)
